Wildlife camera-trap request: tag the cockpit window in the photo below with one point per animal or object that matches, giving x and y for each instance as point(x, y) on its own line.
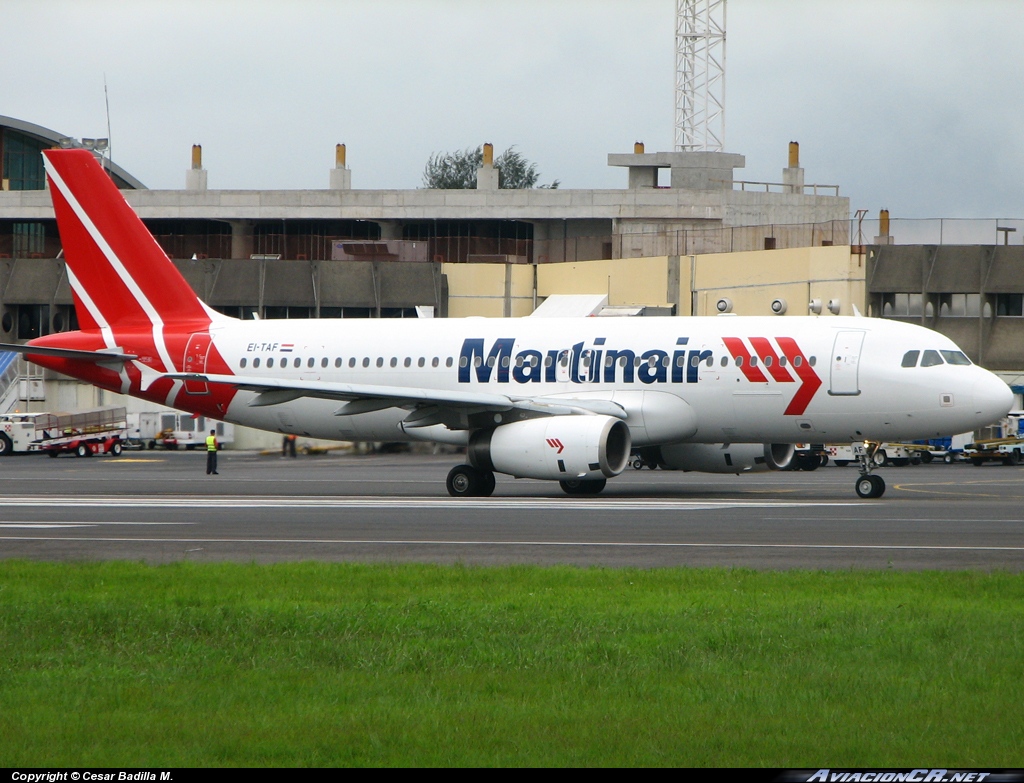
point(955, 357)
point(931, 359)
point(910, 358)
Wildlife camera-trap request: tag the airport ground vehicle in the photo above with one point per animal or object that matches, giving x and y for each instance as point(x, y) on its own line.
point(173, 430)
point(82, 433)
point(1006, 448)
point(527, 397)
point(887, 454)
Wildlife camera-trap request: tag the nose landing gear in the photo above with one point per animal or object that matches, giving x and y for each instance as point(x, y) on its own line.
point(868, 485)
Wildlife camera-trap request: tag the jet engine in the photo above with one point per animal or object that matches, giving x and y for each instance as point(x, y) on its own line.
point(726, 457)
point(556, 447)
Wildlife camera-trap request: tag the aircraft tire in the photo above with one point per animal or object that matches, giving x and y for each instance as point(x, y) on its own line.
point(5, 445)
point(870, 486)
point(583, 486)
point(465, 481)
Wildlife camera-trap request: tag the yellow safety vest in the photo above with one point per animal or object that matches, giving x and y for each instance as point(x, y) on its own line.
point(211, 442)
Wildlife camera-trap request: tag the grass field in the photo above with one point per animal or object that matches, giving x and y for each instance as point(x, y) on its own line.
point(116, 664)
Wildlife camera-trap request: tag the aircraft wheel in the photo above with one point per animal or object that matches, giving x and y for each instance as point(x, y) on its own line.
point(870, 486)
point(487, 483)
point(583, 486)
point(465, 481)
point(5, 445)
point(82, 450)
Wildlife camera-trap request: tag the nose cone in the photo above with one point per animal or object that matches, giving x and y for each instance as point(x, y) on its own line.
point(992, 399)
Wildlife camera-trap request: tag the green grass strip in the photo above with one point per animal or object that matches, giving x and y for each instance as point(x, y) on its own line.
point(113, 664)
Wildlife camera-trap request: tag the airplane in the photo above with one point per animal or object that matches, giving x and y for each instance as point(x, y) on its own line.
point(563, 399)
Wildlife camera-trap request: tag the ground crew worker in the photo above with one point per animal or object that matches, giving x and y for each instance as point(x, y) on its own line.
point(211, 453)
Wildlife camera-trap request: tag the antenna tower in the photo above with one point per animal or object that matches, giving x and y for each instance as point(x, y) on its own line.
point(700, 75)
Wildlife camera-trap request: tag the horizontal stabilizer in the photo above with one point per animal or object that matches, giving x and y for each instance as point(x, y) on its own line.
point(105, 356)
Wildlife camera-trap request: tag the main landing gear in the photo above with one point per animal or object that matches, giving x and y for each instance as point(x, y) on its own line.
point(465, 481)
point(868, 485)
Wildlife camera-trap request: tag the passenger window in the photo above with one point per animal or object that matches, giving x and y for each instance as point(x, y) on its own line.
point(408, 362)
point(394, 361)
point(337, 362)
point(797, 361)
point(296, 363)
point(725, 361)
point(910, 358)
point(753, 361)
point(782, 361)
point(711, 361)
point(435, 362)
point(366, 361)
point(270, 362)
point(421, 362)
point(767, 361)
point(812, 361)
point(931, 359)
point(380, 361)
point(256, 362)
point(242, 363)
point(323, 362)
point(448, 362)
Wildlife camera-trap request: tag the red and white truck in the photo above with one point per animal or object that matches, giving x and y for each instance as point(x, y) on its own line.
point(84, 433)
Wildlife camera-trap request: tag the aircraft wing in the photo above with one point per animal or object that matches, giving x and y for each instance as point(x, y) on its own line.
point(428, 405)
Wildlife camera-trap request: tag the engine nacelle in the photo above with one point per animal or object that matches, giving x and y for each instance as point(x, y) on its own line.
point(554, 447)
point(727, 457)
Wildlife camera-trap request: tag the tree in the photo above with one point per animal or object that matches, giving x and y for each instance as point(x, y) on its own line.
point(457, 170)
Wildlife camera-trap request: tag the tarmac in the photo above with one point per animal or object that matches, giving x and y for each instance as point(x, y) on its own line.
point(158, 507)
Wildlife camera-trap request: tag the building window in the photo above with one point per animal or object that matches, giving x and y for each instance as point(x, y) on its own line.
point(902, 305)
point(959, 305)
point(33, 321)
point(1010, 305)
point(23, 161)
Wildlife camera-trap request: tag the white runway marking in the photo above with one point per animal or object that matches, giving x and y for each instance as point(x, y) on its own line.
point(518, 503)
point(482, 543)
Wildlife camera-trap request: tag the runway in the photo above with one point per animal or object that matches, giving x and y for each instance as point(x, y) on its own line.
point(160, 507)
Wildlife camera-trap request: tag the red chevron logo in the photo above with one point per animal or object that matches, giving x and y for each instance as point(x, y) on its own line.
point(555, 443)
point(764, 355)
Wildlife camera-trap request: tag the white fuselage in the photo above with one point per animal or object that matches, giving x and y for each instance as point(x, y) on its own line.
point(701, 380)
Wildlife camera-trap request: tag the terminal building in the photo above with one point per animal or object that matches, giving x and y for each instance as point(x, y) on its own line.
point(684, 236)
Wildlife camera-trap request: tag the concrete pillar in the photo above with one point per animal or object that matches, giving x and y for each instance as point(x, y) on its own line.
point(195, 177)
point(341, 175)
point(487, 175)
point(793, 175)
point(241, 238)
point(883, 237)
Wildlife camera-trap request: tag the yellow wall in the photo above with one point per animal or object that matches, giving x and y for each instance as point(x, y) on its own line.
point(750, 279)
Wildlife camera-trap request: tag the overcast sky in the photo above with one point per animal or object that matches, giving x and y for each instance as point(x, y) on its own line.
point(912, 106)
